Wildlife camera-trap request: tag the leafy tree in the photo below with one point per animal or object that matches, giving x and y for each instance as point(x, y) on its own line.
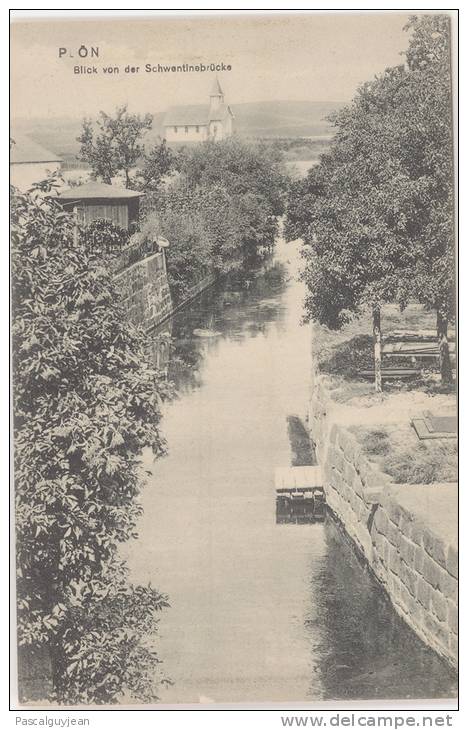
point(222, 206)
point(85, 405)
point(113, 144)
point(158, 162)
point(427, 146)
point(240, 167)
point(188, 256)
point(97, 151)
point(258, 226)
point(376, 214)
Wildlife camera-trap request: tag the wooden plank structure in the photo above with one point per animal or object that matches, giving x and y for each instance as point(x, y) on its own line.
point(298, 478)
point(414, 348)
point(412, 344)
point(95, 201)
point(300, 497)
point(392, 373)
point(412, 335)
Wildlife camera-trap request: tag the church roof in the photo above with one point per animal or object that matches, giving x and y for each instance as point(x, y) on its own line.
point(97, 190)
point(187, 115)
point(195, 114)
point(220, 113)
point(27, 150)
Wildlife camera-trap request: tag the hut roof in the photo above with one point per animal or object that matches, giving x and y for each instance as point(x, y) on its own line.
point(27, 150)
point(98, 191)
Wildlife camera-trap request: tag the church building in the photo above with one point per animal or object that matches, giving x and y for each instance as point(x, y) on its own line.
point(198, 122)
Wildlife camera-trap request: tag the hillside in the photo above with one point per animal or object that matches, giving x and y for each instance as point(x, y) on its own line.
point(284, 118)
point(260, 119)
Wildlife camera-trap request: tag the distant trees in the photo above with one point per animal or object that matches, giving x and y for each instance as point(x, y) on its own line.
point(85, 404)
point(220, 211)
point(376, 215)
point(113, 144)
point(241, 167)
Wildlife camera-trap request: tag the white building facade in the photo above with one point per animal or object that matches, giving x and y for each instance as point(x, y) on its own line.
point(198, 122)
point(30, 162)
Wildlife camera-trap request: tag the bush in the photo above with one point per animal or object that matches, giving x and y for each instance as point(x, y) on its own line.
point(348, 357)
point(104, 236)
point(85, 405)
point(188, 257)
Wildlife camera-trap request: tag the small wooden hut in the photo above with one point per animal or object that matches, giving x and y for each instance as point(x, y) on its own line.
point(96, 200)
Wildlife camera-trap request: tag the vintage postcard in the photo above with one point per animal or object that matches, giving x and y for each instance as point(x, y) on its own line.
point(234, 359)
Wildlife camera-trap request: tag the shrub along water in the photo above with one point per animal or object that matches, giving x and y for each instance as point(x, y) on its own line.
point(85, 405)
point(219, 212)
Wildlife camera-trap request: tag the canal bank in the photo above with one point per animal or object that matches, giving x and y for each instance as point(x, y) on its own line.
point(144, 286)
point(407, 533)
point(260, 610)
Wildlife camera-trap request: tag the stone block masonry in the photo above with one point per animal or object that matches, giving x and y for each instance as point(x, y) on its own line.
point(406, 532)
point(146, 296)
point(145, 291)
point(417, 560)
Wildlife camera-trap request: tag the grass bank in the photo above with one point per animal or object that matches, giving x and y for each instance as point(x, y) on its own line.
point(385, 431)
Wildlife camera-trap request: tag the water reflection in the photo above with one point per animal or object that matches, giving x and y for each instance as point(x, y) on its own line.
point(366, 649)
point(237, 310)
point(262, 609)
point(299, 511)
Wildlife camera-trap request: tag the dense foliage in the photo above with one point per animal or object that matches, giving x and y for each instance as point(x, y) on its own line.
point(220, 211)
point(376, 215)
point(113, 144)
point(241, 167)
point(85, 405)
point(104, 236)
point(158, 162)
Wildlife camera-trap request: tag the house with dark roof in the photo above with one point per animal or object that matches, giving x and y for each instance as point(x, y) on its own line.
point(30, 162)
point(197, 122)
point(96, 201)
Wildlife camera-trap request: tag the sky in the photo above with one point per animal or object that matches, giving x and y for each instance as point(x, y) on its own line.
point(316, 57)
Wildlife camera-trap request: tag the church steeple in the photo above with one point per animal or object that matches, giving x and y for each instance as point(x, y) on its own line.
point(216, 96)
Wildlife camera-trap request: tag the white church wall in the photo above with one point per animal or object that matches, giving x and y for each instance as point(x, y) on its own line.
point(186, 133)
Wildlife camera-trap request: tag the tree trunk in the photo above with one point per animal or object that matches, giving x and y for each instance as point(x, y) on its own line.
point(127, 178)
point(377, 348)
point(57, 669)
point(444, 353)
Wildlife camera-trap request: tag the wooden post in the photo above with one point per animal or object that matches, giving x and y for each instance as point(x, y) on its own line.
point(377, 332)
point(75, 225)
point(444, 353)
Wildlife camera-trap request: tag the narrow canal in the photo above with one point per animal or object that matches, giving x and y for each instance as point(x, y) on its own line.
point(260, 611)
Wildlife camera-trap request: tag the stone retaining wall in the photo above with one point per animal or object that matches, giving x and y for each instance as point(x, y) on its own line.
point(145, 291)
point(196, 289)
point(419, 570)
point(416, 565)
